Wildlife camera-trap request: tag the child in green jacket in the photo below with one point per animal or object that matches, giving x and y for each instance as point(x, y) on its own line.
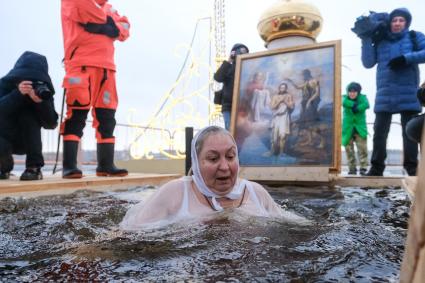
point(354, 128)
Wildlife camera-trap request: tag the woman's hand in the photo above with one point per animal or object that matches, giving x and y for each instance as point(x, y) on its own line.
point(25, 87)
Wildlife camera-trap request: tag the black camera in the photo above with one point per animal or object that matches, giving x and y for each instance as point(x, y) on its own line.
point(42, 90)
point(375, 26)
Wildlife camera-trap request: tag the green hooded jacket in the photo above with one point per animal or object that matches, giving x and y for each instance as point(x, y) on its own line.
point(351, 120)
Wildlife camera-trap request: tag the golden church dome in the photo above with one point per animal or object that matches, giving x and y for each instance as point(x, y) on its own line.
point(290, 18)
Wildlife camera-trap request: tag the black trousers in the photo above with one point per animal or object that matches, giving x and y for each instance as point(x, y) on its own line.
point(26, 139)
point(381, 129)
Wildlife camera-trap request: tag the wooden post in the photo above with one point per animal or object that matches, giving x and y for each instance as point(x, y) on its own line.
point(413, 266)
point(188, 138)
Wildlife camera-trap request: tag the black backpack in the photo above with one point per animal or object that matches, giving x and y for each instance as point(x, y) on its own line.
point(414, 40)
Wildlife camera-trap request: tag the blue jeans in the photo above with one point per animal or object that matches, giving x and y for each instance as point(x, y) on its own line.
point(226, 117)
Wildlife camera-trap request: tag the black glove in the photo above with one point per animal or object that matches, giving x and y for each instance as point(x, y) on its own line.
point(109, 29)
point(354, 108)
point(397, 63)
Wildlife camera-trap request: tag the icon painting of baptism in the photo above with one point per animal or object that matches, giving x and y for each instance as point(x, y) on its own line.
point(286, 106)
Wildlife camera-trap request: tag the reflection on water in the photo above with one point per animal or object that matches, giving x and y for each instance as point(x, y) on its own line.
point(356, 235)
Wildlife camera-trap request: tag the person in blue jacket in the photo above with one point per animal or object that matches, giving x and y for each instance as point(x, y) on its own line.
point(26, 105)
point(397, 56)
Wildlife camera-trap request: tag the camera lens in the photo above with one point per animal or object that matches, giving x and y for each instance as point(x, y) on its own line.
point(41, 90)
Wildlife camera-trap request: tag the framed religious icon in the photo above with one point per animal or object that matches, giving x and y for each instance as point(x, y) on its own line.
point(286, 107)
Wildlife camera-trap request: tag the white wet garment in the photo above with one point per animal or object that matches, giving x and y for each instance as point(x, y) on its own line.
point(190, 198)
point(177, 201)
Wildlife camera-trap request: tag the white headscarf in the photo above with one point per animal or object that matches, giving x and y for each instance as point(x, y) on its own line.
point(237, 189)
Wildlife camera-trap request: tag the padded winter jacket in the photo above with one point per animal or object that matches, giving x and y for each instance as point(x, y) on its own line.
point(226, 74)
point(83, 48)
point(30, 66)
point(351, 120)
point(396, 89)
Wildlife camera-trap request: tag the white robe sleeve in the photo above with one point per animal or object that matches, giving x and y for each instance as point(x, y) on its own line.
point(160, 206)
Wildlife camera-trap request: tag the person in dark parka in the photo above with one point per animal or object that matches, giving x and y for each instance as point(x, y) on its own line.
point(397, 57)
point(26, 105)
point(226, 74)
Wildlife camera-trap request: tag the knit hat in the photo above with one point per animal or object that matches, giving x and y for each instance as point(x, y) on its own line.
point(353, 86)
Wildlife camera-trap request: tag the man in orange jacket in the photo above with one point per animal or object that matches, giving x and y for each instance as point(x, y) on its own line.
point(90, 28)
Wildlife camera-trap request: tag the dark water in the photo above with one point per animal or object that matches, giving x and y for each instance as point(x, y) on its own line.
point(356, 235)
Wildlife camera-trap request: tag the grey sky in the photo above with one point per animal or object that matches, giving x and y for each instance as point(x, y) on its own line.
point(148, 63)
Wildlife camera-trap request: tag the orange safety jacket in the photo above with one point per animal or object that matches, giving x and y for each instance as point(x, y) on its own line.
point(88, 49)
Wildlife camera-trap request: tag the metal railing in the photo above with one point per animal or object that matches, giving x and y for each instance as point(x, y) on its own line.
point(159, 142)
point(125, 135)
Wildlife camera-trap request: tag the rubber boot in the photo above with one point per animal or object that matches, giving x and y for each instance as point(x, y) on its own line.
point(69, 162)
point(105, 161)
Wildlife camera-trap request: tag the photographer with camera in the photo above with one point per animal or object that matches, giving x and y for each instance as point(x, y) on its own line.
point(397, 53)
point(226, 74)
point(26, 105)
point(415, 125)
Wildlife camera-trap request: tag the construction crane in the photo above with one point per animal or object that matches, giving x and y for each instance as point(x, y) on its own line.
point(219, 31)
point(219, 25)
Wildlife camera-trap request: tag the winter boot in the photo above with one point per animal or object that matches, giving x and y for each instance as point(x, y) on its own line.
point(69, 162)
point(105, 161)
point(374, 172)
point(6, 165)
point(32, 174)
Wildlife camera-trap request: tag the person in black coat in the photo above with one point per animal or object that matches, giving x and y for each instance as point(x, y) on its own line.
point(26, 105)
point(226, 74)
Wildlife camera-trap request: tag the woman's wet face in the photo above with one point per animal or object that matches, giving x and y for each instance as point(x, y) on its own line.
point(218, 163)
